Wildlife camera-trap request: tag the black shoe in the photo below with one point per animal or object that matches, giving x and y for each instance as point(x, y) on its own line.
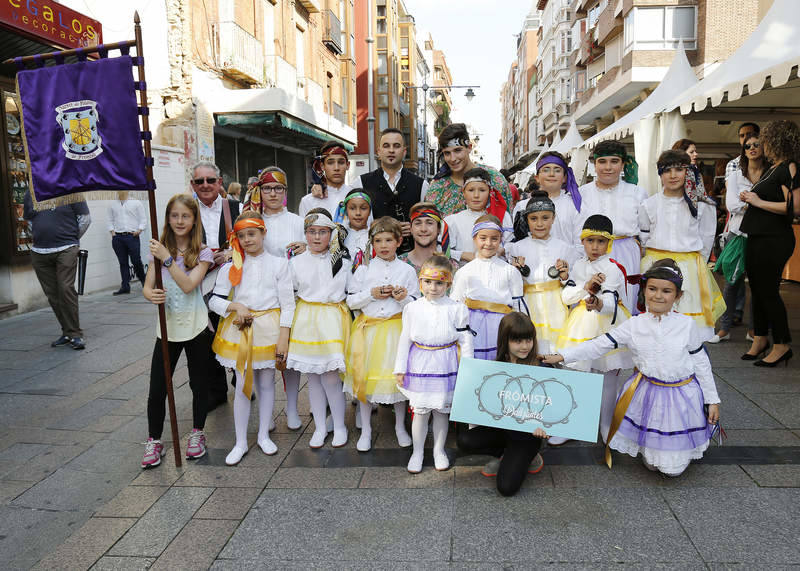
point(63, 340)
point(121, 291)
point(749, 357)
point(77, 343)
point(782, 359)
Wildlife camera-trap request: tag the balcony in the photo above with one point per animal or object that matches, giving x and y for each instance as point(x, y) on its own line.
point(239, 54)
point(312, 6)
point(332, 38)
point(608, 25)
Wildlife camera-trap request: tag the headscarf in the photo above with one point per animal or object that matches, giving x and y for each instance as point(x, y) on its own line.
point(237, 257)
point(630, 168)
point(341, 211)
point(485, 226)
point(316, 168)
point(442, 275)
point(538, 202)
point(691, 194)
point(435, 215)
point(336, 247)
point(496, 205)
point(572, 184)
point(266, 176)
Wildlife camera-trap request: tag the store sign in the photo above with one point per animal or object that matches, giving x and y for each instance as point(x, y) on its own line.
point(51, 22)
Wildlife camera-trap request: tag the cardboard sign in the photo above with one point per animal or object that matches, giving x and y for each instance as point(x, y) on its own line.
point(521, 397)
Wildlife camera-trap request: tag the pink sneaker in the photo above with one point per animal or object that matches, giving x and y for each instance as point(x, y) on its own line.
point(196, 447)
point(153, 451)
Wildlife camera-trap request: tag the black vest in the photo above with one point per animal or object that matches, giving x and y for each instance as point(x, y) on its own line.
point(395, 204)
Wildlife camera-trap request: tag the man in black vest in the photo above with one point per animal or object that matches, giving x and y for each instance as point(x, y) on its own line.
point(218, 215)
point(394, 189)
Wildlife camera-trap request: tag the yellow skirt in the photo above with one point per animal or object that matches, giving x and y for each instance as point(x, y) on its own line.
point(265, 331)
point(701, 299)
point(370, 359)
point(320, 332)
point(584, 325)
point(548, 312)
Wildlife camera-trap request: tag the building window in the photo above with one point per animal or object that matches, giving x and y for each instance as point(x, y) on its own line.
point(661, 28)
point(566, 42)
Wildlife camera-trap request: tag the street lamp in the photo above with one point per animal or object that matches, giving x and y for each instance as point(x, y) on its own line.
point(470, 95)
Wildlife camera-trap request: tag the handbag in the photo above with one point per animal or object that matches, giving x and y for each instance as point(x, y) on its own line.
point(731, 260)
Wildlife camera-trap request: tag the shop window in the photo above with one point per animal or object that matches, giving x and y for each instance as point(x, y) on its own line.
point(17, 173)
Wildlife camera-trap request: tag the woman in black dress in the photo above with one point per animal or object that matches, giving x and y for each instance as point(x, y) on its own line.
point(773, 202)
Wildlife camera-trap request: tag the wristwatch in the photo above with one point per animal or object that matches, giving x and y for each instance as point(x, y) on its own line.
point(168, 262)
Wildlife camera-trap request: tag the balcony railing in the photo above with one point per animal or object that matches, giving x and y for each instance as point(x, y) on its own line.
point(333, 32)
point(239, 53)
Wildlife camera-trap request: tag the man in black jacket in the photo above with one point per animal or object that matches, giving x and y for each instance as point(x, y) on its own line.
point(394, 190)
point(218, 215)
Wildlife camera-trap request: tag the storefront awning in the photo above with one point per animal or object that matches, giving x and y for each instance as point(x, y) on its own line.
point(272, 123)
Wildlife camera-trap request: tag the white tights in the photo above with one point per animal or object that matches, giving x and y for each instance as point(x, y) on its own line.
point(326, 389)
point(264, 386)
point(291, 383)
point(419, 432)
point(365, 412)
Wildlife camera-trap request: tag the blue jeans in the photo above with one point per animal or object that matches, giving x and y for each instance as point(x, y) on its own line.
point(734, 295)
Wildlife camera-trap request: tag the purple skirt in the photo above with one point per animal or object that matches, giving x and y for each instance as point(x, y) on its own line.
point(485, 323)
point(668, 418)
point(431, 369)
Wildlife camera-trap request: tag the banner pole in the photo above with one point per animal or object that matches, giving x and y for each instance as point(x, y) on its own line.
point(151, 198)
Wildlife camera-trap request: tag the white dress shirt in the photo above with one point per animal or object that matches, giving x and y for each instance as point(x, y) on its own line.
point(357, 240)
point(210, 216)
point(734, 184)
point(461, 224)
point(312, 278)
point(620, 204)
point(583, 270)
point(264, 285)
point(668, 348)
point(433, 323)
point(126, 216)
point(331, 203)
point(378, 273)
point(392, 182)
point(540, 255)
point(283, 228)
point(667, 224)
point(491, 280)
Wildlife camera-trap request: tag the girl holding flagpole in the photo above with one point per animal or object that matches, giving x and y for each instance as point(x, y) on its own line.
point(257, 304)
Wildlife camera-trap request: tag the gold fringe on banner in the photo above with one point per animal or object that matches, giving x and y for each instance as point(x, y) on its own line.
point(83, 196)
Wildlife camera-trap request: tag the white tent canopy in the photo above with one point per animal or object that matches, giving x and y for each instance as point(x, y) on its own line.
point(571, 140)
point(771, 51)
point(525, 174)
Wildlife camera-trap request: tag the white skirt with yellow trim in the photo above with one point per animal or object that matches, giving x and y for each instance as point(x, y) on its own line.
point(319, 337)
point(702, 298)
point(584, 325)
point(265, 329)
point(370, 360)
point(548, 313)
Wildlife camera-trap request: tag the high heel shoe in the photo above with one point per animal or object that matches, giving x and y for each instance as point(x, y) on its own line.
point(782, 359)
point(756, 357)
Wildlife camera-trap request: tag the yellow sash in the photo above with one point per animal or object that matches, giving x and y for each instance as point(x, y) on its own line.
point(487, 306)
point(542, 286)
point(624, 402)
point(702, 270)
point(358, 350)
point(244, 358)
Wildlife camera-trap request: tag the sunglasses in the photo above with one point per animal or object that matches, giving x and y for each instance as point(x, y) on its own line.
point(749, 146)
point(207, 180)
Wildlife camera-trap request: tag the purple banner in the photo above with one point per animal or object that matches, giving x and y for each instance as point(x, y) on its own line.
point(81, 128)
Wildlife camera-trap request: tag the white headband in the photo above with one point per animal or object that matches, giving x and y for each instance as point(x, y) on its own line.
point(475, 179)
point(318, 219)
point(458, 142)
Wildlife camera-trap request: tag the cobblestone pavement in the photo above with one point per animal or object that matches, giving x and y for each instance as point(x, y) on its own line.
point(73, 496)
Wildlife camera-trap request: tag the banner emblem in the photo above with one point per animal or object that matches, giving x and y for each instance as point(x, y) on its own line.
point(78, 120)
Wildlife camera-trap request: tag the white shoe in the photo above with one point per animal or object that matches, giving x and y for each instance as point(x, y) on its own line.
point(235, 456)
point(415, 463)
point(292, 421)
point(268, 447)
point(440, 461)
point(749, 337)
point(317, 439)
point(403, 438)
point(339, 438)
point(716, 338)
point(557, 440)
point(364, 442)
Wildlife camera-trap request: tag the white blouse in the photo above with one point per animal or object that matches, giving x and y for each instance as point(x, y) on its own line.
point(491, 280)
point(435, 322)
point(667, 224)
point(583, 270)
point(357, 240)
point(620, 204)
point(736, 183)
point(283, 228)
point(668, 348)
point(565, 226)
point(540, 255)
point(313, 279)
point(461, 224)
point(378, 273)
point(331, 203)
point(263, 286)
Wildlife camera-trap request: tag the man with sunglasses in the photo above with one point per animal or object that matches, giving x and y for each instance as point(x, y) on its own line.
point(217, 215)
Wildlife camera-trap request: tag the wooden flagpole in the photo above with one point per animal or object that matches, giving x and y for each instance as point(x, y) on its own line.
point(151, 199)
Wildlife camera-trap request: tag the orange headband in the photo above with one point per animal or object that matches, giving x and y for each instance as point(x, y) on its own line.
point(436, 274)
point(237, 258)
